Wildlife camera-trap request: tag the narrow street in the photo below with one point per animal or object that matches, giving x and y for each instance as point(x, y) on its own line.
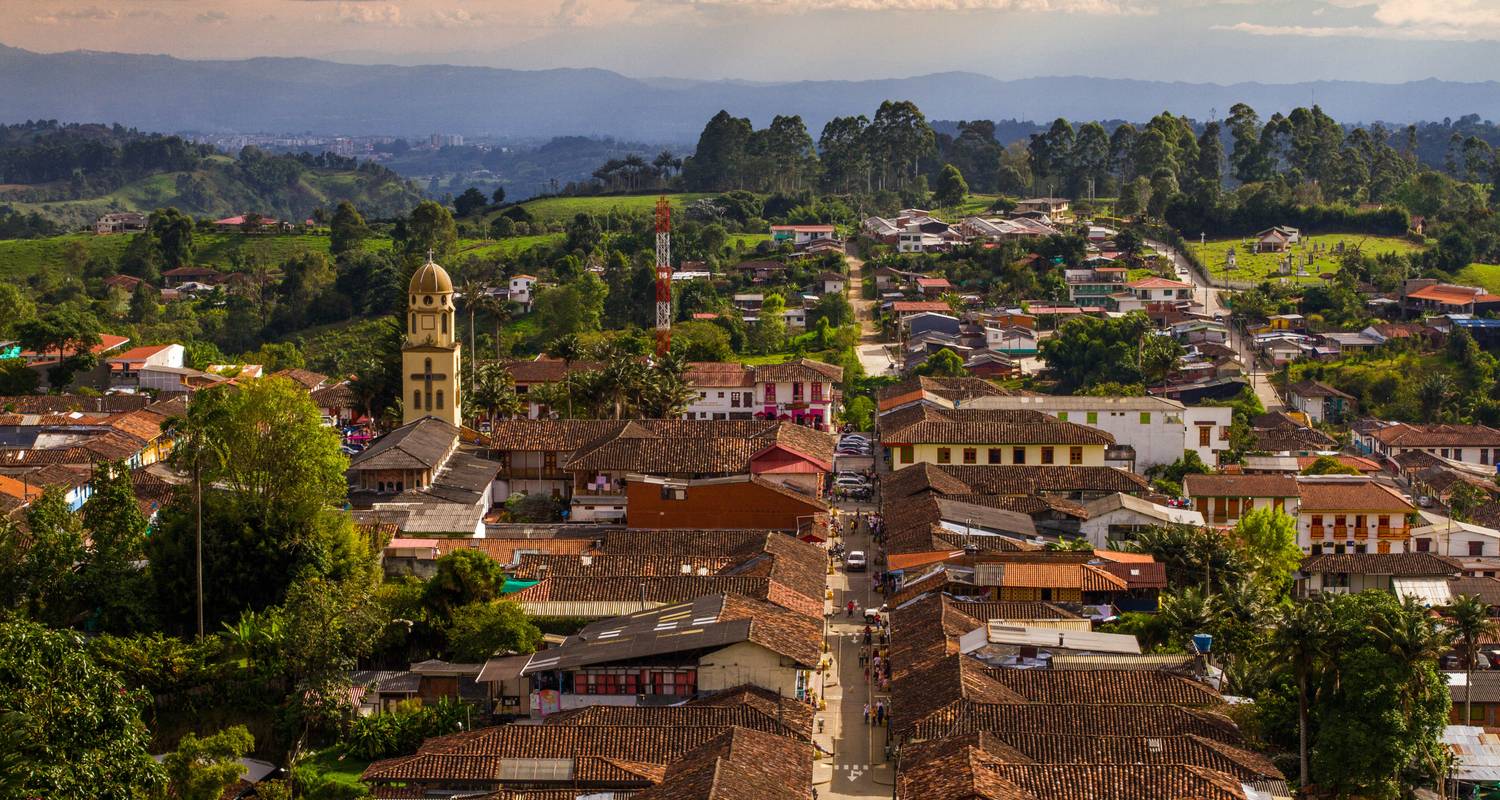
point(859, 769)
point(1213, 304)
point(872, 354)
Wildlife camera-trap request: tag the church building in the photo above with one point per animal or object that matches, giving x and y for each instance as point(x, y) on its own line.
point(430, 356)
point(421, 476)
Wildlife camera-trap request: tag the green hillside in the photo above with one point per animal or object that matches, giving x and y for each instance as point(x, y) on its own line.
point(562, 209)
point(219, 188)
point(20, 258)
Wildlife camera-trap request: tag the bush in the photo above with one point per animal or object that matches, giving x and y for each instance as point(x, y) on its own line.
point(402, 729)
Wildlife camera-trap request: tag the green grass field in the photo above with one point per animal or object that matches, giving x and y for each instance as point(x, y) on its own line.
point(1484, 275)
point(562, 209)
point(1256, 267)
point(489, 248)
point(326, 766)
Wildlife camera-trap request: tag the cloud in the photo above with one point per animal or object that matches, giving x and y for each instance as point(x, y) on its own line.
point(358, 13)
point(1086, 7)
point(214, 17)
point(1410, 20)
point(69, 15)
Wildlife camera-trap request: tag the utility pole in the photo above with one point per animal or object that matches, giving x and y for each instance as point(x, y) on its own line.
point(663, 277)
point(198, 524)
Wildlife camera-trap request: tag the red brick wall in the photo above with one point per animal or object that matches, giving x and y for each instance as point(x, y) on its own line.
point(727, 505)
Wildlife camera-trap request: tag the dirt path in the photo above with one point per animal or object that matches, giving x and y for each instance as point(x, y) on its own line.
point(872, 354)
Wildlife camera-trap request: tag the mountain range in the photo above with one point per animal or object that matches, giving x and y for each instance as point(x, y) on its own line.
point(282, 95)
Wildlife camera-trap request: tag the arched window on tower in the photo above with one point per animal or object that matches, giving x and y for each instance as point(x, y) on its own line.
point(413, 323)
point(440, 399)
point(416, 399)
point(445, 323)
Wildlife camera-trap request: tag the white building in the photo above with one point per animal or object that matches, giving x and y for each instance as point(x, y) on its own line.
point(722, 390)
point(1118, 517)
point(522, 289)
point(125, 368)
point(1158, 429)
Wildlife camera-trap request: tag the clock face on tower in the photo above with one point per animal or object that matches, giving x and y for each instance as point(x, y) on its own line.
point(431, 358)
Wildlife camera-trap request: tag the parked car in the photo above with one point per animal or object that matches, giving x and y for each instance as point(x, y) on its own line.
point(855, 561)
point(851, 482)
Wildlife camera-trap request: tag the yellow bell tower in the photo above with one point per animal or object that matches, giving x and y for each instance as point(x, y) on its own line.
point(430, 358)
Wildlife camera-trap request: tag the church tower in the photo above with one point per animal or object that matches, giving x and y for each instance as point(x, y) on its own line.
point(430, 357)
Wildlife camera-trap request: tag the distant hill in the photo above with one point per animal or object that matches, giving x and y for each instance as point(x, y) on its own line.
point(291, 94)
point(71, 174)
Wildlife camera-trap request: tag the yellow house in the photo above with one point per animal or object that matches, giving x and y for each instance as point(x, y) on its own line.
point(923, 434)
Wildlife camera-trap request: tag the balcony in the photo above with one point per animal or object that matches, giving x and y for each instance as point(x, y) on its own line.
point(1318, 532)
point(1341, 531)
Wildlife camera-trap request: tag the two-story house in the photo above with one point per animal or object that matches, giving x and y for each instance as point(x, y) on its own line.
point(1095, 288)
point(803, 391)
point(721, 389)
point(1155, 429)
point(1473, 444)
point(1351, 514)
point(926, 434)
point(1224, 498)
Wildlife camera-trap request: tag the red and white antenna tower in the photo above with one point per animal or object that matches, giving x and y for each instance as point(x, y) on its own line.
point(663, 276)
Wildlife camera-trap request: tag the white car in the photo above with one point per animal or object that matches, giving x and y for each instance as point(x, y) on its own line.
point(855, 561)
point(851, 482)
point(854, 437)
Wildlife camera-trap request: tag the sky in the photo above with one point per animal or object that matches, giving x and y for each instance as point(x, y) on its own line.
point(1220, 41)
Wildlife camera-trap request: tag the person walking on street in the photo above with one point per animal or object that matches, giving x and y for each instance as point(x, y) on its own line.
point(880, 713)
point(867, 713)
point(849, 610)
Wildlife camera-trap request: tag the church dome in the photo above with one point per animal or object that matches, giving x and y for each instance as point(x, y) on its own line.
point(431, 279)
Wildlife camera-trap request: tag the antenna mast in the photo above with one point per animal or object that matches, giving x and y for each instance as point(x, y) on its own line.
point(663, 276)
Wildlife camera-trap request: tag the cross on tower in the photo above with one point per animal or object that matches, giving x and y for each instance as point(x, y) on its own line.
point(427, 378)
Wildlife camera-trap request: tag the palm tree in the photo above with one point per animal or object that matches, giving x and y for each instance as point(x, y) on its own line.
point(666, 394)
point(470, 292)
point(495, 392)
point(1469, 622)
point(1299, 641)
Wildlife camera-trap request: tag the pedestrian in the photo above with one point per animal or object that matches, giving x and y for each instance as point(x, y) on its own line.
point(849, 609)
point(867, 713)
point(867, 674)
point(880, 713)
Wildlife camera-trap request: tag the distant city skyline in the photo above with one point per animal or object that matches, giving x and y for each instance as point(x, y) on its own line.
point(1220, 41)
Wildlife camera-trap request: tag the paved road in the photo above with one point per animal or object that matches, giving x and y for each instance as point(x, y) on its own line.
point(1210, 297)
point(859, 766)
point(873, 355)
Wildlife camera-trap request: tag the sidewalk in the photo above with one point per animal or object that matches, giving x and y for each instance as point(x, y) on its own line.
point(858, 768)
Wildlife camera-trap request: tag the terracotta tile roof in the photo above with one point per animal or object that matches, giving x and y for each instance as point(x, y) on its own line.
point(1453, 295)
point(1151, 575)
point(546, 370)
point(1221, 485)
point(801, 369)
point(958, 479)
point(697, 714)
point(724, 542)
point(417, 445)
point(505, 550)
point(1109, 687)
point(918, 306)
point(670, 589)
point(533, 565)
point(1098, 720)
point(1084, 577)
point(112, 446)
point(604, 753)
point(143, 425)
point(958, 766)
point(28, 457)
point(719, 374)
point(923, 424)
point(985, 611)
point(1486, 589)
point(1414, 564)
point(560, 435)
point(788, 712)
point(339, 395)
point(918, 386)
point(929, 688)
point(309, 379)
point(1445, 435)
point(739, 765)
point(1292, 439)
point(1349, 493)
point(1121, 782)
point(698, 447)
